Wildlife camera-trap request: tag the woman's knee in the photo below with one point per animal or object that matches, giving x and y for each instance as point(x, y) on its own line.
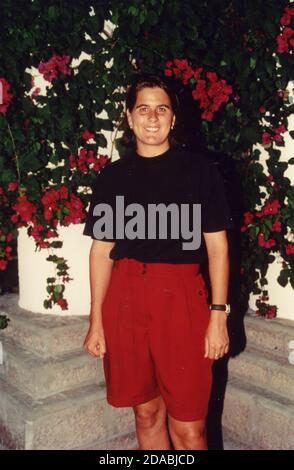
point(187, 431)
point(150, 413)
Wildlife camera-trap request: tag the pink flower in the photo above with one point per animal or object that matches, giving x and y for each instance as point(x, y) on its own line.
point(5, 95)
point(36, 91)
point(262, 109)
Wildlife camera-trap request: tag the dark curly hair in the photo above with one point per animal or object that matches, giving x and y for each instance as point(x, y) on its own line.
point(139, 82)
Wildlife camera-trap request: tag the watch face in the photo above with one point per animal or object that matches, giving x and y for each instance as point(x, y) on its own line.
point(228, 308)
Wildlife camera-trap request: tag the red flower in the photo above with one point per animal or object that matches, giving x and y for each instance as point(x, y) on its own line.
point(271, 312)
point(278, 138)
point(3, 264)
point(62, 303)
point(5, 95)
point(289, 11)
point(285, 20)
point(207, 115)
point(248, 218)
point(265, 243)
point(276, 227)
point(36, 91)
point(262, 109)
point(270, 208)
point(197, 72)
point(289, 248)
point(25, 208)
point(168, 72)
point(87, 135)
point(280, 130)
point(211, 93)
point(14, 218)
point(12, 186)
point(266, 138)
point(56, 64)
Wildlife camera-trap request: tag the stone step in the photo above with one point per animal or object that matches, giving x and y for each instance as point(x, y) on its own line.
point(264, 369)
point(257, 417)
point(269, 335)
point(67, 420)
point(45, 335)
point(41, 378)
point(120, 442)
point(231, 443)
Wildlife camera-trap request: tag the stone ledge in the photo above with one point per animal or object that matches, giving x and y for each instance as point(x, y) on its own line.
point(269, 335)
point(264, 369)
point(45, 335)
point(42, 377)
point(65, 421)
point(258, 417)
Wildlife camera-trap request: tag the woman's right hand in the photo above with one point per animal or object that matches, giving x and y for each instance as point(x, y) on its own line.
point(94, 343)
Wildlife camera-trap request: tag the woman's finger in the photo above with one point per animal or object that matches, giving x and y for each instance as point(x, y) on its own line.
point(206, 347)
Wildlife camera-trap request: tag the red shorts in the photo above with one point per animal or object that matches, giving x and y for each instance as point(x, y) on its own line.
point(155, 316)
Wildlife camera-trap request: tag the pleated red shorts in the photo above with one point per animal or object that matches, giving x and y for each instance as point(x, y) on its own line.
point(155, 317)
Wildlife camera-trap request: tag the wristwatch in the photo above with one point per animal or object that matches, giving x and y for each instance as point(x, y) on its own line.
point(223, 307)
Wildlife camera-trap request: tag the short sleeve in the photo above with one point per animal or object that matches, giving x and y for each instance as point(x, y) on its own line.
point(100, 194)
point(215, 211)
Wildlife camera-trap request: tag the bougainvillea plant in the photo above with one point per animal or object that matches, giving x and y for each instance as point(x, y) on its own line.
point(235, 58)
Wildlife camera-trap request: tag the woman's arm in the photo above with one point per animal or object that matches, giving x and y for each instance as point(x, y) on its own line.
point(217, 340)
point(100, 273)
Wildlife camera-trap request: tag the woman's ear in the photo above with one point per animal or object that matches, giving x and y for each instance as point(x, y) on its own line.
point(173, 122)
point(129, 118)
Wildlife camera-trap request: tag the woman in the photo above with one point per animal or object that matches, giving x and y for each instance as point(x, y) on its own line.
point(150, 320)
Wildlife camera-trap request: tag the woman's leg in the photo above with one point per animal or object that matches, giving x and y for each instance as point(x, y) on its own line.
point(151, 425)
point(187, 434)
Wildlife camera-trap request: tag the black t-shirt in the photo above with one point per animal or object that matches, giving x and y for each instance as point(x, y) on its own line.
point(174, 177)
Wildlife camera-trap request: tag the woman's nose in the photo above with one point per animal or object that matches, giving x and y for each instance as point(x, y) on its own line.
point(153, 114)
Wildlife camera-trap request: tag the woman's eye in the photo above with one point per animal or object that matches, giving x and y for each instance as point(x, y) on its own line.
point(143, 110)
point(161, 109)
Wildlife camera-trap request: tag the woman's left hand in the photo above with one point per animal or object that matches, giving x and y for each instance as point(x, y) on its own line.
point(217, 338)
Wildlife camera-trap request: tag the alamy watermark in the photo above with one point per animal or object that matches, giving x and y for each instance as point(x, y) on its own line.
point(157, 221)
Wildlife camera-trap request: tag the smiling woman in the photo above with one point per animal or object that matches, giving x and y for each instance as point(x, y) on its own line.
point(151, 120)
point(152, 106)
point(150, 320)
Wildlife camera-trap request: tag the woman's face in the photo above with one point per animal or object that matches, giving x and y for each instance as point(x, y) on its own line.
point(151, 120)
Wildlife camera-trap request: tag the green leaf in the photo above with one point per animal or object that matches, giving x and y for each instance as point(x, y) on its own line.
point(283, 278)
point(132, 10)
point(252, 63)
